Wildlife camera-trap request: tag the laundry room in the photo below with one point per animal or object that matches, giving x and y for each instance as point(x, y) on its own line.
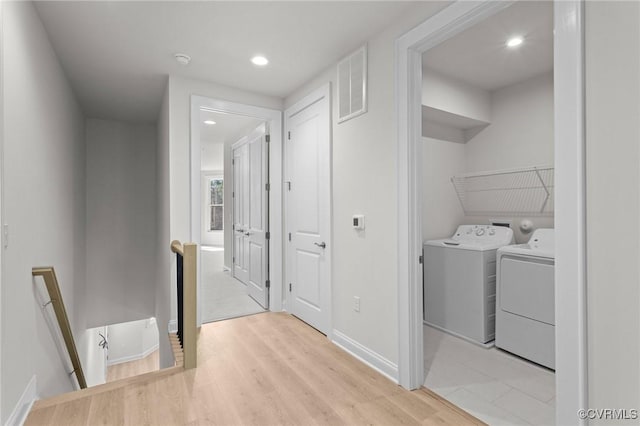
point(488, 217)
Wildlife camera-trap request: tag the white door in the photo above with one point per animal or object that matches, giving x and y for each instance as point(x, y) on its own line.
point(308, 207)
point(240, 214)
point(257, 225)
point(251, 258)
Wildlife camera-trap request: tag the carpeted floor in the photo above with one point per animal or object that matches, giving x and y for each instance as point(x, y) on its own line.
point(223, 296)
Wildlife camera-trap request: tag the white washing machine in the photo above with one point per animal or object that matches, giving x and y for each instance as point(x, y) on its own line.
point(525, 318)
point(460, 281)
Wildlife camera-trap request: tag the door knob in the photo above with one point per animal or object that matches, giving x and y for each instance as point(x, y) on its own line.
point(321, 245)
point(247, 233)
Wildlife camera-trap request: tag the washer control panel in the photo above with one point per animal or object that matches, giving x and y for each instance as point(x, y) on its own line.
point(483, 233)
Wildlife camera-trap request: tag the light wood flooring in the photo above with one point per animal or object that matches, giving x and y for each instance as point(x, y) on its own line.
point(133, 368)
point(265, 369)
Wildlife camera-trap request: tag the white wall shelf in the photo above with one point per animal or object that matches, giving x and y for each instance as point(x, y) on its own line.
point(516, 192)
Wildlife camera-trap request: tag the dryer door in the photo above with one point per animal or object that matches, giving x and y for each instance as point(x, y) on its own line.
point(527, 288)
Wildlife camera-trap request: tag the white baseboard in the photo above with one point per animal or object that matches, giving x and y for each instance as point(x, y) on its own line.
point(22, 408)
point(133, 357)
point(173, 326)
point(366, 355)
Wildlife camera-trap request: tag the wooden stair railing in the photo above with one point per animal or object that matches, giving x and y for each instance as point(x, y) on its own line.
point(186, 257)
point(55, 297)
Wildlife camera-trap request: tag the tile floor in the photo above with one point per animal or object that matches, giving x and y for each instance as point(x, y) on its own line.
point(493, 385)
point(223, 296)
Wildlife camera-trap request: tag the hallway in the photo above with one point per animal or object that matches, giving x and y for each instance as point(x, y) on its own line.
point(261, 369)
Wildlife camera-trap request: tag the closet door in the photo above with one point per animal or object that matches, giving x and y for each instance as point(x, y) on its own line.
point(257, 217)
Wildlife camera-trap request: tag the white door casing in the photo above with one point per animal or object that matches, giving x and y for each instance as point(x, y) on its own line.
point(308, 209)
point(275, 154)
point(571, 375)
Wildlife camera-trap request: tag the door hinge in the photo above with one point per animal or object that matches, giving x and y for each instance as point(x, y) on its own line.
point(289, 236)
point(267, 138)
point(233, 162)
point(289, 287)
point(420, 259)
point(234, 260)
point(268, 235)
point(289, 185)
point(267, 186)
point(267, 284)
point(289, 135)
point(233, 195)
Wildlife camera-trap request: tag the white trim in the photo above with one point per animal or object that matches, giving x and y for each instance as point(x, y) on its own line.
point(24, 404)
point(172, 327)
point(570, 221)
point(274, 119)
point(374, 360)
point(571, 378)
point(322, 92)
point(133, 357)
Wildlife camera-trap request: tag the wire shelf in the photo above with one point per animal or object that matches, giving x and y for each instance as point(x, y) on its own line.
point(518, 192)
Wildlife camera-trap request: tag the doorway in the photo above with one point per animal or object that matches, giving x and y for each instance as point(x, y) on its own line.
point(231, 194)
point(570, 378)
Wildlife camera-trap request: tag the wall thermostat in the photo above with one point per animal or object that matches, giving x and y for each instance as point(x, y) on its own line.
point(358, 221)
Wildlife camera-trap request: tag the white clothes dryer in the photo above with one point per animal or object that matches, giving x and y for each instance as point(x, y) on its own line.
point(460, 281)
point(525, 317)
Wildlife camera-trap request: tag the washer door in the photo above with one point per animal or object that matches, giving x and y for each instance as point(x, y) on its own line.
point(527, 288)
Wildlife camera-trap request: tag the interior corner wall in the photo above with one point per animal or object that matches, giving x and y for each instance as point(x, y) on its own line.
point(612, 61)
point(164, 257)
point(121, 221)
point(521, 129)
point(364, 181)
point(521, 134)
point(132, 340)
point(448, 94)
point(44, 199)
point(441, 209)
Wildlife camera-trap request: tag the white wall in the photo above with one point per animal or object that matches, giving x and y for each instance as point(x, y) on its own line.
point(454, 96)
point(164, 257)
point(364, 181)
point(613, 204)
point(93, 357)
point(132, 340)
point(121, 221)
point(212, 157)
point(44, 203)
point(521, 129)
point(441, 209)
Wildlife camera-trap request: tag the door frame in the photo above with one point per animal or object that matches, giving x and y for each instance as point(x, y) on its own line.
point(321, 94)
point(274, 119)
point(571, 351)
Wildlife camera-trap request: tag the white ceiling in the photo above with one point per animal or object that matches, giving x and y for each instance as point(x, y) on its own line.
point(480, 57)
point(228, 128)
point(117, 55)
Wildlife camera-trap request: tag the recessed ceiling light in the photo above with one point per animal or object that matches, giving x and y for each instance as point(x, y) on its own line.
point(182, 58)
point(515, 41)
point(260, 61)
point(209, 122)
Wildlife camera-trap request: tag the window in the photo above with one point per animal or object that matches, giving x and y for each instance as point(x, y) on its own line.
point(216, 204)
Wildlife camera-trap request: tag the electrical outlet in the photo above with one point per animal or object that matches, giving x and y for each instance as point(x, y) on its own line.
point(356, 303)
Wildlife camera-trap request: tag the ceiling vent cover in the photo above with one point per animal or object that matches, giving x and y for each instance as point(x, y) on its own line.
point(352, 85)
